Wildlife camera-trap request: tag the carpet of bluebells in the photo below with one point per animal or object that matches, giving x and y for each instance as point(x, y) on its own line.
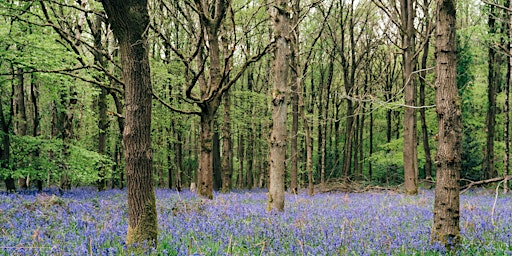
point(86, 222)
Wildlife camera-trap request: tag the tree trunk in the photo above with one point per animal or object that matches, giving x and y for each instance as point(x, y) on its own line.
point(493, 80)
point(102, 136)
point(241, 154)
point(129, 21)
point(423, 81)
point(205, 172)
point(294, 97)
point(103, 122)
point(227, 149)
point(217, 176)
point(446, 228)
point(5, 150)
point(35, 126)
point(410, 150)
point(20, 125)
point(281, 24)
point(178, 159)
point(506, 110)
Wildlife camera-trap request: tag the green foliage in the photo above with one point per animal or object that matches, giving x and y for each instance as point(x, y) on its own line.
point(473, 123)
point(39, 159)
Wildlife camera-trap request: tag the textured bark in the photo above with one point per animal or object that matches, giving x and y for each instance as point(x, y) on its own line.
point(410, 148)
point(446, 228)
point(205, 172)
point(129, 21)
point(423, 73)
point(294, 97)
point(227, 148)
point(279, 16)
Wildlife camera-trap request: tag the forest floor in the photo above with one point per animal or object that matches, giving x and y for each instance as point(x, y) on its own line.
point(85, 222)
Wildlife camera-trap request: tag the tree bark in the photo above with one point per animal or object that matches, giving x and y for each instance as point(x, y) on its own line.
point(217, 176)
point(493, 80)
point(280, 18)
point(294, 96)
point(20, 125)
point(227, 148)
point(205, 172)
point(129, 21)
point(446, 229)
point(410, 148)
point(506, 135)
point(423, 77)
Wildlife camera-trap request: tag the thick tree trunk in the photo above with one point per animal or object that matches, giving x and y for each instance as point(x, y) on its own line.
point(410, 150)
point(205, 172)
point(281, 24)
point(446, 228)
point(130, 20)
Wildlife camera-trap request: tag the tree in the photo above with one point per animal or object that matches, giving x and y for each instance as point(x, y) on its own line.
point(129, 21)
point(407, 15)
point(446, 229)
point(280, 17)
point(493, 81)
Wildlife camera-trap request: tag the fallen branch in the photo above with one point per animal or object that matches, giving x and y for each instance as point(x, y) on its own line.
point(482, 182)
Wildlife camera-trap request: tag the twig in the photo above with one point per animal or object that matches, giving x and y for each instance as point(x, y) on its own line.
point(494, 204)
point(481, 182)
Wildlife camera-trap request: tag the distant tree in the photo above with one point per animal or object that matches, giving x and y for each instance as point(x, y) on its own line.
point(129, 21)
point(494, 80)
point(446, 229)
point(280, 18)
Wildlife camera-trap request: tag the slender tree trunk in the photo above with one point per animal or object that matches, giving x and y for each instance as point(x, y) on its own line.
point(493, 80)
point(227, 149)
point(5, 150)
point(423, 77)
point(103, 122)
point(102, 136)
point(294, 96)
point(250, 151)
point(241, 156)
point(446, 229)
point(130, 20)
point(506, 110)
point(36, 131)
point(281, 24)
point(410, 147)
point(20, 124)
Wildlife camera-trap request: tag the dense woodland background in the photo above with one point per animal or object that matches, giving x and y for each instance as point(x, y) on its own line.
point(61, 93)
